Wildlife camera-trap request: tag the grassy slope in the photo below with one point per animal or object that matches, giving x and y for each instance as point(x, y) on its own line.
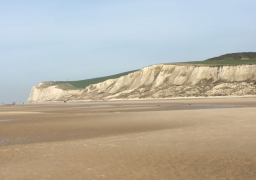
point(228, 59)
point(225, 61)
point(87, 82)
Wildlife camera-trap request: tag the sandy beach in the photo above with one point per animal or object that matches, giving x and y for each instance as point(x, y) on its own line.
point(183, 139)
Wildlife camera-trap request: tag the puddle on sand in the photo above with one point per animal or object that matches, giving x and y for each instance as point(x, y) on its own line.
point(52, 137)
point(216, 106)
point(9, 120)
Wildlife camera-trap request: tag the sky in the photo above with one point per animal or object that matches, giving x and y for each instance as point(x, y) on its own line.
point(56, 40)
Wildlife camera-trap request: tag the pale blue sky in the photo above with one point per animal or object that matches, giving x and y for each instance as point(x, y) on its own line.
point(43, 40)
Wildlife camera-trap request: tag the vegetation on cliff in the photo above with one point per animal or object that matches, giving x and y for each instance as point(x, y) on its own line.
point(86, 82)
point(229, 59)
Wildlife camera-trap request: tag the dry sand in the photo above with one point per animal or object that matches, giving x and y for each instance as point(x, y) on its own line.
point(186, 139)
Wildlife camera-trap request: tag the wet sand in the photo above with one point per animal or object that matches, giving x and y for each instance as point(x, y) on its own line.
point(154, 139)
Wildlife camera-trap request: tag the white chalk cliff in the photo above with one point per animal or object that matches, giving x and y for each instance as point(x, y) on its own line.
point(159, 81)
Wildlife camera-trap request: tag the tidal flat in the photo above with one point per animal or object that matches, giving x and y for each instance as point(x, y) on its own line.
point(207, 138)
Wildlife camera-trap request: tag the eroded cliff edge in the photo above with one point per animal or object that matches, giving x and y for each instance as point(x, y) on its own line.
point(159, 81)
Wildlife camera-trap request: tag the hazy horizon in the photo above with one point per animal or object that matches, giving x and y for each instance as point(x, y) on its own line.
point(75, 40)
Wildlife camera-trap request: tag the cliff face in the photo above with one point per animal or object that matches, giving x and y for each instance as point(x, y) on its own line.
point(46, 91)
point(159, 81)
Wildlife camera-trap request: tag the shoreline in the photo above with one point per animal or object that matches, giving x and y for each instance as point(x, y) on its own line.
point(143, 99)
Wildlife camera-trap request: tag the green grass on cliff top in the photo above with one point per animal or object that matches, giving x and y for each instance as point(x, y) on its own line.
point(241, 58)
point(225, 61)
point(87, 82)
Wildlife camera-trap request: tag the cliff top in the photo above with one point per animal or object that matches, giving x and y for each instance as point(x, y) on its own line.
point(235, 56)
point(241, 58)
point(84, 83)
